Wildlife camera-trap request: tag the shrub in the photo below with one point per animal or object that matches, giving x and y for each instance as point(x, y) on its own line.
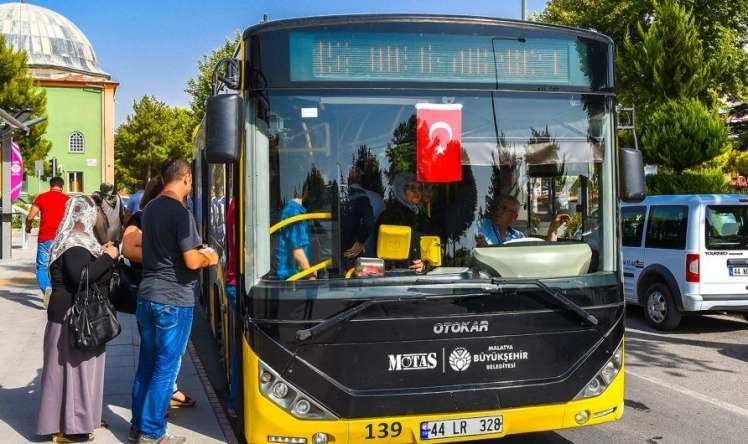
point(709, 181)
point(682, 134)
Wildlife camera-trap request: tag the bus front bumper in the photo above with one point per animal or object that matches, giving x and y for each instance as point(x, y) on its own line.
point(265, 422)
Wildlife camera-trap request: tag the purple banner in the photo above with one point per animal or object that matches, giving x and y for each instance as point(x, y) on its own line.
point(16, 171)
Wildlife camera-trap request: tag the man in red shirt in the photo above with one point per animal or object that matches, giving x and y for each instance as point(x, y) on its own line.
point(52, 206)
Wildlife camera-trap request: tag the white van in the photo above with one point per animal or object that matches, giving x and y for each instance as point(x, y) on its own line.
point(685, 253)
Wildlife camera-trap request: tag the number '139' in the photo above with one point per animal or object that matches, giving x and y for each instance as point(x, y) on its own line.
point(383, 430)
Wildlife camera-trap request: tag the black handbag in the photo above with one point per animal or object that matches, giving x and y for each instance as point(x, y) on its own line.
point(93, 321)
point(124, 294)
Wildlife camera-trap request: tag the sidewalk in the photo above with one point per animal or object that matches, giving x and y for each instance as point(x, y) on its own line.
point(22, 322)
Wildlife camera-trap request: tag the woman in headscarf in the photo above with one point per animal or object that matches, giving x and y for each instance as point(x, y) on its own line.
point(407, 208)
point(72, 382)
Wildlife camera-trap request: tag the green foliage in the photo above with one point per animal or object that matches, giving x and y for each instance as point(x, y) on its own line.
point(152, 133)
point(739, 125)
point(17, 92)
point(667, 62)
point(199, 87)
point(365, 167)
point(682, 134)
point(741, 162)
point(708, 181)
point(614, 18)
point(721, 25)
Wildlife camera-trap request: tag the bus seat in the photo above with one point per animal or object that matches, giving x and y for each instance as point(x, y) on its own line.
point(393, 242)
point(431, 250)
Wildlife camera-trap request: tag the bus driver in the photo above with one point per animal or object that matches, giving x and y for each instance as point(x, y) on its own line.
point(504, 211)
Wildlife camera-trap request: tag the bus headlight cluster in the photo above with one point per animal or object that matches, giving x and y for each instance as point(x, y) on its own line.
point(604, 377)
point(288, 397)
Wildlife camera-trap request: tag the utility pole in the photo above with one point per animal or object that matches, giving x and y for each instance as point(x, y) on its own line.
point(9, 126)
point(524, 9)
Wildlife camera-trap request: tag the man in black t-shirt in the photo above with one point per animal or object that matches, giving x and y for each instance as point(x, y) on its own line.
point(172, 256)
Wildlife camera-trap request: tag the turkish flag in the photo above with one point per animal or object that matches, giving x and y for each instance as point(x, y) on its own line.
point(438, 142)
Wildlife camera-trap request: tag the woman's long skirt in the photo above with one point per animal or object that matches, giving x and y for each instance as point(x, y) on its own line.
point(72, 389)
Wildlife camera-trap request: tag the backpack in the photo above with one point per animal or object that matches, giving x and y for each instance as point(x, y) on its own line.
point(108, 227)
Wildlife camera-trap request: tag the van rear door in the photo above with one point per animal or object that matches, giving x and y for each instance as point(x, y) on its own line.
point(724, 264)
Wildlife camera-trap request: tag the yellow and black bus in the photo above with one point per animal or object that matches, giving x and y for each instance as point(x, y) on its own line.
point(424, 211)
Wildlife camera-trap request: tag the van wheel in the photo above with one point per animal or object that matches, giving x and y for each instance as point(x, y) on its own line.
point(659, 308)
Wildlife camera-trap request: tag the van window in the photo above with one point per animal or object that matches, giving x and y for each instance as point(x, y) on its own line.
point(632, 223)
point(726, 227)
point(667, 226)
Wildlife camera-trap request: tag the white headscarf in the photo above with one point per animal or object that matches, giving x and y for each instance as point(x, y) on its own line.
point(399, 187)
point(78, 210)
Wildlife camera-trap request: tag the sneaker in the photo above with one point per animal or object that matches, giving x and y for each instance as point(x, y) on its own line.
point(166, 439)
point(134, 434)
point(47, 294)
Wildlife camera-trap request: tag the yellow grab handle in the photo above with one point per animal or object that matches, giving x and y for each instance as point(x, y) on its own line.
point(310, 270)
point(297, 218)
point(349, 273)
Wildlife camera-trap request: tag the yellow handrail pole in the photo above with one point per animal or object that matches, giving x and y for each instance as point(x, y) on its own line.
point(297, 218)
point(310, 270)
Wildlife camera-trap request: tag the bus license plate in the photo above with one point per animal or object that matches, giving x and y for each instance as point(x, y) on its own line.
point(462, 427)
point(738, 271)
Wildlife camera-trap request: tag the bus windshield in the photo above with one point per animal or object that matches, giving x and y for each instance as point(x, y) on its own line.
point(345, 172)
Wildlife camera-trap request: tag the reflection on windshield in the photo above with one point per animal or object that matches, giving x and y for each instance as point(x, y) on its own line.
point(345, 168)
point(726, 227)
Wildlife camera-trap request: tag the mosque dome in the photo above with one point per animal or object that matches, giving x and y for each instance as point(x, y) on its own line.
point(49, 39)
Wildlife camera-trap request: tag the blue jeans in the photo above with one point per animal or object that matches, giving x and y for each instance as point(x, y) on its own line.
point(164, 332)
point(235, 349)
point(42, 265)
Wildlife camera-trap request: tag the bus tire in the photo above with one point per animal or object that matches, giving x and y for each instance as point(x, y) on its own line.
point(659, 306)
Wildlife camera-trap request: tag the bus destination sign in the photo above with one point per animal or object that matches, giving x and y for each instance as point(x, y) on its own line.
point(371, 57)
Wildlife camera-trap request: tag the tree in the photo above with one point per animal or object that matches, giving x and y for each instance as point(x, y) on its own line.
point(721, 25)
point(739, 125)
point(668, 60)
point(683, 134)
point(367, 168)
point(17, 92)
point(199, 87)
point(152, 133)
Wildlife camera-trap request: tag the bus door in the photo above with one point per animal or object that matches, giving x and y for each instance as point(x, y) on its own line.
point(219, 222)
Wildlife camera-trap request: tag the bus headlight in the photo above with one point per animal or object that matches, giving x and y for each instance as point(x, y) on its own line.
point(286, 396)
point(280, 389)
point(302, 407)
point(604, 377)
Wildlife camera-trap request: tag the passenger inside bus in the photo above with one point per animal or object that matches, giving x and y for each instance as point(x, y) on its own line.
point(294, 248)
point(408, 208)
point(504, 210)
point(359, 217)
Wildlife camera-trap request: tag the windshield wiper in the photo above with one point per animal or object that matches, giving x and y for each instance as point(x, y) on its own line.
point(306, 333)
point(566, 302)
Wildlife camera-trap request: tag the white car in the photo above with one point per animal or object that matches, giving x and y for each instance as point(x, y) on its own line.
point(685, 253)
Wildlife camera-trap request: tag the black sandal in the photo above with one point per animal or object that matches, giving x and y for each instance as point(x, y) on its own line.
point(178, 403)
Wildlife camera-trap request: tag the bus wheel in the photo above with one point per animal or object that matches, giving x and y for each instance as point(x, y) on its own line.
point(659, 308)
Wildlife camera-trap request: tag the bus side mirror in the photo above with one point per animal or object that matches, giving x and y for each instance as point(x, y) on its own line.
point(631, 175)
point(223, 128)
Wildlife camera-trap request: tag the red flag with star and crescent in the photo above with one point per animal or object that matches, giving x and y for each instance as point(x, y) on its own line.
point(438, 142)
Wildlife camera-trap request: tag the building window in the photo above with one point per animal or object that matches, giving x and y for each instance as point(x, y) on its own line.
point(75, 182)
point(77, 143)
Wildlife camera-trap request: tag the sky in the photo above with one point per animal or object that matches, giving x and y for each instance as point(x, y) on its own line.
point(151, 47)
